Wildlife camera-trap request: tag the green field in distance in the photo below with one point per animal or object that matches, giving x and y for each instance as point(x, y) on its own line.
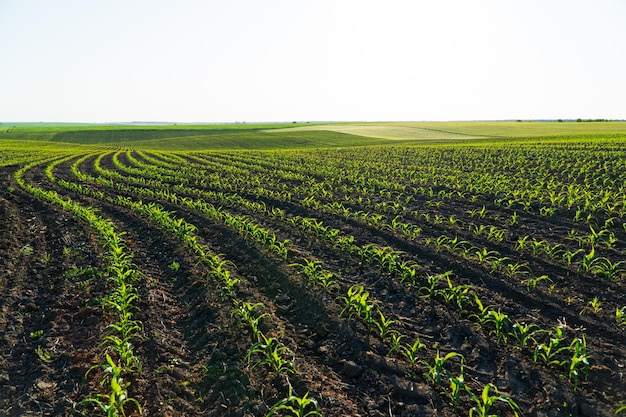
point(298, 135)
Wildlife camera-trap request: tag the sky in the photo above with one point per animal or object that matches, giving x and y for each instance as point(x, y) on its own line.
point(317, 60)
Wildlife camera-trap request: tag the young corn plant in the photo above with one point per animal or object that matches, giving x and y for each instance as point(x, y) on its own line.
point(383, 326)
point(410, 351)
point(457, 294)
point(245, 313)
point(275, 355)
point(578, 364)
point(295, 406)
point(554, 251)
point(457, 387)
point(594, 306)
point(43, 354)
point(588, 260)
point(117, 401)
point(495, 234)
point(607, 269)
point(485, 402)
point(436, 371)
point(479, 213)
point(501, 323)
point(549, 352)
point(357, 303)
point(537, 246)
point(316, 274)
point(125, 329)
point(522, 243)
point(218, 270)
point(408, 273)
point(496, 263)
point(518, 268)
point(569, 256)
point(483, 312)
point(524, 334)
point(484, 255)
point(620, 316)
point(395, 339)
point(430, 290)
point(531, 283)
point(455, 245)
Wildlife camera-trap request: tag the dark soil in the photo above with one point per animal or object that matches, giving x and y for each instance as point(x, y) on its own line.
point(193, 352)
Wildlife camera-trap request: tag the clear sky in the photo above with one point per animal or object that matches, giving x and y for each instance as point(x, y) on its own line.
point(288, 60)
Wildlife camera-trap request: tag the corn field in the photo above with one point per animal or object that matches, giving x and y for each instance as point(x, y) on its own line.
point(470, 280)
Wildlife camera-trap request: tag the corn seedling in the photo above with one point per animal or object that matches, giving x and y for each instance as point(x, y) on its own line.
point(395, 341)
point(457, 387)
point(487, 400)
point(480, 213)
point(276, 356)
point(356, 303)
point(522, 243)
point(549, 352)
point(553, 251)
point(458, 294)
point(478, 229)
point(594, 306)
point(454, 245)
point(547, 211)
point(43, 354)
point(440, 243)
point(483, 311)
point(497, 262)
point(296, 406)
point(607, 269)
point(536, 246)
point(26, 250)
point(517, 268)
point(408, 273)
point(430, 290)
point(494, 234)
point(410, 351)
point(36, 334)
point(568, 256)
point(531, 283)
point(115, 403)
point(245, 313)
point(383, 325)
point(501, 323)
point(524, 334)
point(437, 370)
point(620, 316)
point(578, 364)
point(483, 255)
point(316, 274)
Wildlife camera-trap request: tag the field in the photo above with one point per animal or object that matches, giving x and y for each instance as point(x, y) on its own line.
point(336, 270)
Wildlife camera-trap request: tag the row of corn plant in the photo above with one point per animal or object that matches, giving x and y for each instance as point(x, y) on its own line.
point(267, 350)
point(389, 263)
point(121, 274)
point(355, 303)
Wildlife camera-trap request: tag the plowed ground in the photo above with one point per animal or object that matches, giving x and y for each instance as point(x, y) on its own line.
point(193, 351)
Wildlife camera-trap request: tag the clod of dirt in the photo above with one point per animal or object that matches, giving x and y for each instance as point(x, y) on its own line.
point(351, 370)
point(282, 299)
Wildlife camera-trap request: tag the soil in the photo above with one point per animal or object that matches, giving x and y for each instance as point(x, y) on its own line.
point(193, 351)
